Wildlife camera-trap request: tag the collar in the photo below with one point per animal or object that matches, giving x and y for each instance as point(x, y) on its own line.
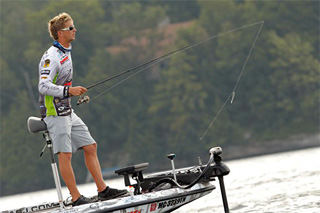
point(62, 48)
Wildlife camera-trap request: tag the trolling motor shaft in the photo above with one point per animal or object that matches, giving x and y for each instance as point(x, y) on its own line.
point(220, 169)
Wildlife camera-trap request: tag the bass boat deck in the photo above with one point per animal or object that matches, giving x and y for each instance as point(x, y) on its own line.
point(159, 192)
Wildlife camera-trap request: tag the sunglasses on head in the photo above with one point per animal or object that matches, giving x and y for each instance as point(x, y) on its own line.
point(68, 28)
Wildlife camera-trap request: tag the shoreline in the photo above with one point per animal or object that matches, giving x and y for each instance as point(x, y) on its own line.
point(293, 143)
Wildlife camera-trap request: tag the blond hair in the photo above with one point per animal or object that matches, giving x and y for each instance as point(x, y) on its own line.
point(57, 23)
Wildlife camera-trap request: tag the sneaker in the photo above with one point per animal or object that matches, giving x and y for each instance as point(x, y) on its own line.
point(82, 200)
point(110, 193)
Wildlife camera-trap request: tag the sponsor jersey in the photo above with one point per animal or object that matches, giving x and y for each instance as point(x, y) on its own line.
point(55, 78)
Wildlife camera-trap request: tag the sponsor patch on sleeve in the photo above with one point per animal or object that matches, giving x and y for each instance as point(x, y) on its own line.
point(45, 72)
point(46, 63)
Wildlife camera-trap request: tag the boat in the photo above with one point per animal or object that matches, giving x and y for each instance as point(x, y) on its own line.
point(158, 192)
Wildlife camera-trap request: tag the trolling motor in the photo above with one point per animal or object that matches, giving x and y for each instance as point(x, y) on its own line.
point(36, 125)
point(219, 169)
point(214, 168)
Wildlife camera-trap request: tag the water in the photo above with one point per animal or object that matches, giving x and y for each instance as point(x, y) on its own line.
point(284, 182)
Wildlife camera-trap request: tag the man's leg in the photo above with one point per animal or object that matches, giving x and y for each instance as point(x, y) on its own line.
point(68, 174)
point(93, 165)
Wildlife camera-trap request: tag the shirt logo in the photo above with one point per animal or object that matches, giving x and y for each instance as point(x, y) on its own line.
point(45, 72)
point(64, 60)
point(46, 63)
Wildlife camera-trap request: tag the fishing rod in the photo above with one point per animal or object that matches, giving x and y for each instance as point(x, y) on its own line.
point(233, 92)
point(86, 99)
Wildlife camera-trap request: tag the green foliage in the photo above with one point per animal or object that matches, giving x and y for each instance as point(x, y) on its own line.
point(131, 18)
point(295, 74)
point(20, 162)
point(167, 107)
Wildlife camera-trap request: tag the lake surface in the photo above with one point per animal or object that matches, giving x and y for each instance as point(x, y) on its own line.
point(283, 182)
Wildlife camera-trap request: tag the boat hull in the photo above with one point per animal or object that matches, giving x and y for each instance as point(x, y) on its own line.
point(153, 202)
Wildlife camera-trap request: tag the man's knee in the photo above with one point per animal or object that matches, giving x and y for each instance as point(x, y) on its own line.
point(64, 156)
point(90, 149)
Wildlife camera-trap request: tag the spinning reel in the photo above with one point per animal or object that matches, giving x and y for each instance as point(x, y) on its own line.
point(83, 99)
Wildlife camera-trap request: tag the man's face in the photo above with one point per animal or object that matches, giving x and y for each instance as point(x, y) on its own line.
point(69, 35)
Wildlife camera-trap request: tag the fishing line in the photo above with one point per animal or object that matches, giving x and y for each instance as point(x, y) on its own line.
point(164, 57)
point(233, 93)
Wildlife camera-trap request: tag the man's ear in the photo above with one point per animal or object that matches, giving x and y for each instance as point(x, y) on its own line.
point(60, 34)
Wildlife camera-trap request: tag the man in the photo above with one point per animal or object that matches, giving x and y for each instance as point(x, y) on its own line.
point(68, 132)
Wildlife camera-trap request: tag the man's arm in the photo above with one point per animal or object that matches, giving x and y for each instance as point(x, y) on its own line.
point(48, 73)
point(78, 90)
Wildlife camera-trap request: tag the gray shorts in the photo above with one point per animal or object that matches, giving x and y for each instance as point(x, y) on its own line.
point(68, 133)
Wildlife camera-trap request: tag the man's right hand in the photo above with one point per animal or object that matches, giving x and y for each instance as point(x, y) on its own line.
point(76, 91)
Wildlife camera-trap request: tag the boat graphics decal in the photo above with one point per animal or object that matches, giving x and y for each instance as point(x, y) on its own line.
point(171, 202)
point(154, 202)
point(35, 208)
point(153, 207)
point(136, 211)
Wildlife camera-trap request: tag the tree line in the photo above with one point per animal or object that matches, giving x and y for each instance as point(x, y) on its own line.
point(164, 108)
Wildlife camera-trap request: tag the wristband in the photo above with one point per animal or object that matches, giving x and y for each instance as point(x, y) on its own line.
point(66, 91)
